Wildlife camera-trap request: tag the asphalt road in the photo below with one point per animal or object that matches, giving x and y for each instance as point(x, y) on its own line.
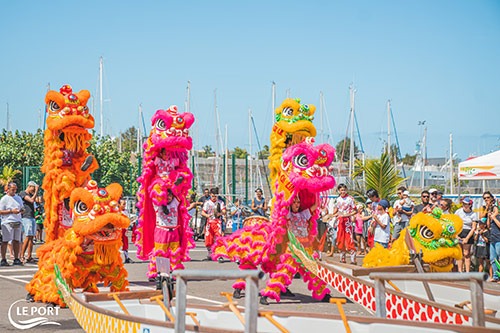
point(14, 278)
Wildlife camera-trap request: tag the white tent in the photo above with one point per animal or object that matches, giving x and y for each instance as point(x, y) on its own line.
point(480, 168)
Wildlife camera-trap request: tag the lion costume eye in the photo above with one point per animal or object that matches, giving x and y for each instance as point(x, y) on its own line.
point(80, 207)
point(160, 124)
point(179, 120)
point(426, 232)
point(300, 160)
point(54, 107)
point(287, 112)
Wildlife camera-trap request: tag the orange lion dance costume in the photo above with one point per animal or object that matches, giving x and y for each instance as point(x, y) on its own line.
point(88, 252)
point(66, 164)
point(163, 228)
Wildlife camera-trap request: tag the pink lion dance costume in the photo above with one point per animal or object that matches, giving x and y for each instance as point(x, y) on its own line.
point(164, 184)
point(305, 172)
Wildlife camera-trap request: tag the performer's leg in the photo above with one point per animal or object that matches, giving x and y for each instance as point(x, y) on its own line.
point(281, 278)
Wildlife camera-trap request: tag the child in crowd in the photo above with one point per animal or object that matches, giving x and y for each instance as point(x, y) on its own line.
point(358, 230)
point(236, 215)
point(381, 224)
point(406, 203)
point(481, 238)
point(39, 217)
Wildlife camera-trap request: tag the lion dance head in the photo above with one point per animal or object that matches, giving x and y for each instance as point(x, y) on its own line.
point(88, 253)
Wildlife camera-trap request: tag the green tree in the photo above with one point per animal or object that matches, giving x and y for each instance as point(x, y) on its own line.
point(395, 152)
point(381, 175)
point(342, 149)
point(240, 153)
point(264, 153)
point(19, 149)
point(129, 140)
point(114, 167)
point(207, 151)
point(409, 159)
point(8, 175)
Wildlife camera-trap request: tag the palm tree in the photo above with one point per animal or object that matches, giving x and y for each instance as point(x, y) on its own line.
point(381, 175)
point(8, 174)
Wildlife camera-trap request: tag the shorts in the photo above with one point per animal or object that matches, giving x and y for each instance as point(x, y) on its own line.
point(398, 227)
point(29, 226)
point(464, 234)
point(384, 245)
point(482, 252)
point(39, 226)
point(11, 231)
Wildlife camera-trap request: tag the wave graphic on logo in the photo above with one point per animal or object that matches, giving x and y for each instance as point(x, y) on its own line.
point(29, 323)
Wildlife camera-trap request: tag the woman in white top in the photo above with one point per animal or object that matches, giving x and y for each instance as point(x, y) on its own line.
point(466, 237)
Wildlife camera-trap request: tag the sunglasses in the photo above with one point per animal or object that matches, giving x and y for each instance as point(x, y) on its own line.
point(434, 193)
point(425, 196)
point(488, 197)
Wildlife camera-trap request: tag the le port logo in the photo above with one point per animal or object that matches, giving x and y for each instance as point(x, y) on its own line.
point(24, 315)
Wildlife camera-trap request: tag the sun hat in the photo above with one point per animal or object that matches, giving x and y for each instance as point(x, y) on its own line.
point(406, 193)
point(467, 201)
point(32, 183)
point(432, 190)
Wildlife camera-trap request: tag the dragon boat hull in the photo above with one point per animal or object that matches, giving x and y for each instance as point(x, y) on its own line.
point(409, 301)
point(98, 313)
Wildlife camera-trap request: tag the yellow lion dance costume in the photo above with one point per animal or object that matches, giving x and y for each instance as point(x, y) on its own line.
point(435, 234)
point(293, 124)
point(88, 253)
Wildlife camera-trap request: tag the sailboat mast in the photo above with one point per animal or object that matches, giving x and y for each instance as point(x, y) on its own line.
point(321, 115)
point(424, 159)
point(389, 128)
point(139, 133)
point(101, 64)
point(351, 134)
point(188, 97)
point(273, 101)
point(452, 185)
point(250, 147)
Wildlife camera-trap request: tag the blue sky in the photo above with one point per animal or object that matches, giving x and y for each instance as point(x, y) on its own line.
point(437, 61)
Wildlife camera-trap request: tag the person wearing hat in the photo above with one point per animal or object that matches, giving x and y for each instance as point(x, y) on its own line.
point(434, 197)
point(466, 237)
point(482, 244)
point(381, 224)
point(259, 204)
point(29, 222)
